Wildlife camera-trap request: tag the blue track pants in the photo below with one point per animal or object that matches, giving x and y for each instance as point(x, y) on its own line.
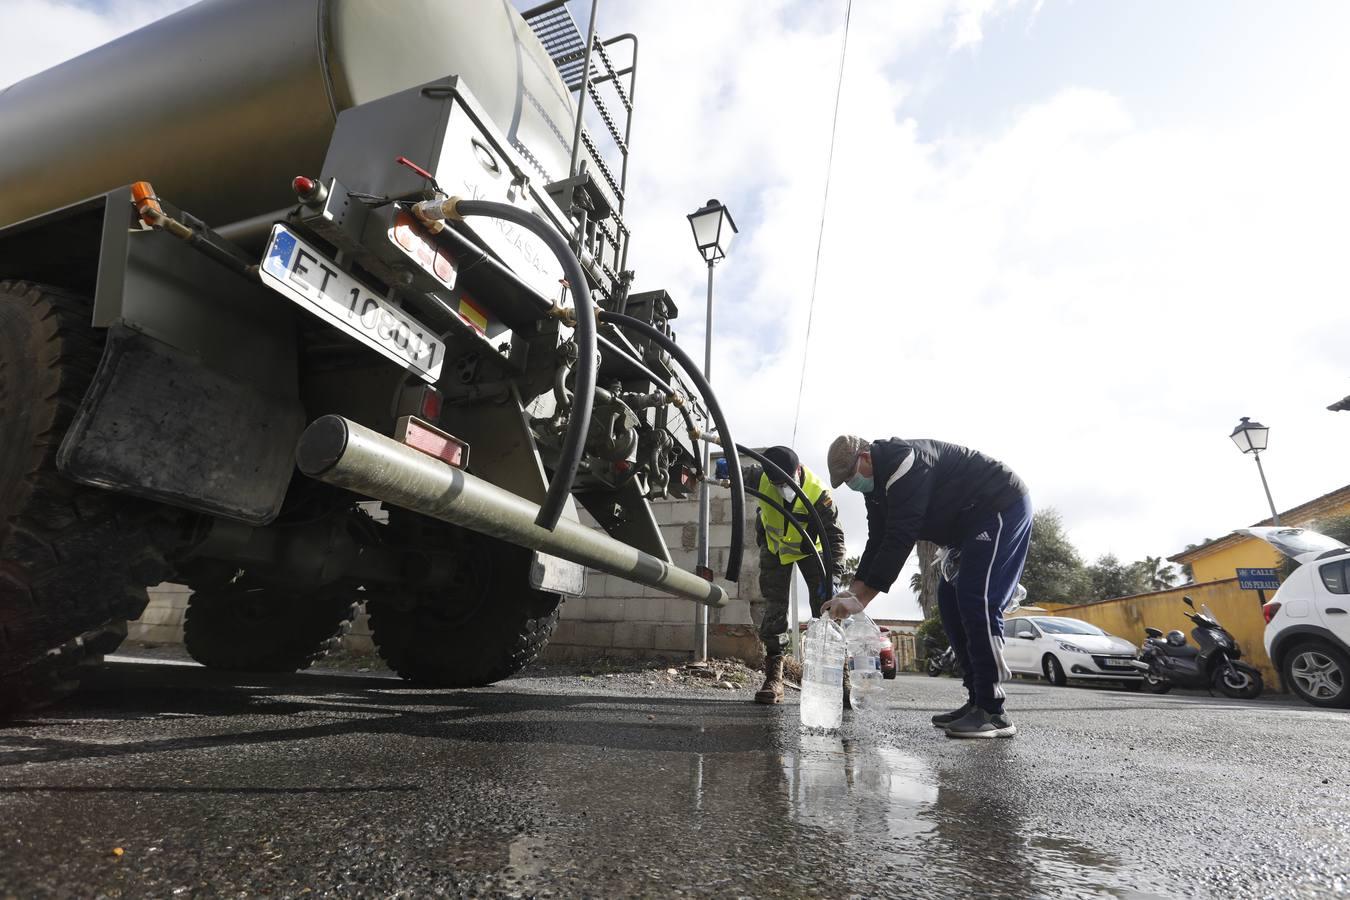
point(992, 555)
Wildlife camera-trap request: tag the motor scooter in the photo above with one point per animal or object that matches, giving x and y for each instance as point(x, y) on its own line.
point(1168, 661)
point(940, 659)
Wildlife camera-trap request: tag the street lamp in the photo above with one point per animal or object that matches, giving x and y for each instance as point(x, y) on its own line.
point(1252, 437)
point(713, 230)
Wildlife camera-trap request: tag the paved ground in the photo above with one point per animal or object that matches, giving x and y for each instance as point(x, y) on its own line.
point(166, 780)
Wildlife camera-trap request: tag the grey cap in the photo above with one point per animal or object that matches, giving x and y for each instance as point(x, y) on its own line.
point(843, 457)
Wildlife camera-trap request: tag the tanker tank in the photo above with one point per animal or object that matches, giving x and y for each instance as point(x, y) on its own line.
point(221, 104)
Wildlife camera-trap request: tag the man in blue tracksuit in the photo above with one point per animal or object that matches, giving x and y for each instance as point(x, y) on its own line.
point(955, 497)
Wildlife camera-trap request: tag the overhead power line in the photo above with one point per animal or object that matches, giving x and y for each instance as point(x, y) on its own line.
point(824, 204)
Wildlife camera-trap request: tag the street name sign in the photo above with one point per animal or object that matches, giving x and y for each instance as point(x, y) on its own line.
point(1259, 579)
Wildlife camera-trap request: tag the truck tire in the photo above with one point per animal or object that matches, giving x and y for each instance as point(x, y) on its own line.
point(494, 626)
point(248, 627)
point(74, 561)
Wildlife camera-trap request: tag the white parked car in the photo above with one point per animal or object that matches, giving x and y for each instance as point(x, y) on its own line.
point(1060, 649)
point(1308, 619)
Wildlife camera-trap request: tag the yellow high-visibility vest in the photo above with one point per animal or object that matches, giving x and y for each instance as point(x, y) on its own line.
point(783, 539)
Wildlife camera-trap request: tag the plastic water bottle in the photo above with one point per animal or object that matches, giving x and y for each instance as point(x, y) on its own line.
point(823, 675)
point(863, 639)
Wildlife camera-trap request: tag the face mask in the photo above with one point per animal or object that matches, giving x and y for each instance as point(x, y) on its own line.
point(860, 483)
point(788, 493)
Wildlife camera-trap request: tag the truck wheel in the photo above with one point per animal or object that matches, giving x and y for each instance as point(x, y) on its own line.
point(493, 626)
point(248, 627)
point(74, 561)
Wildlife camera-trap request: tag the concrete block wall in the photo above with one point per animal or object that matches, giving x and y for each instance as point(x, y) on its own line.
point(617, 618)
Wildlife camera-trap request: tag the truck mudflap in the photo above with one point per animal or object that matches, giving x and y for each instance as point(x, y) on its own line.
point(343, 453)
point(159, 423)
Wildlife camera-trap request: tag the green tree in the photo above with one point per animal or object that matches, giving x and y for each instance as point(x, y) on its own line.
point(1111, 578)
point(931, 627)
point(1054, 571)
point(848, 570)
point(1160, 575)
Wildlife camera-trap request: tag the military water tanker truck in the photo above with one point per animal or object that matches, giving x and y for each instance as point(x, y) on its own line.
point(323, 302)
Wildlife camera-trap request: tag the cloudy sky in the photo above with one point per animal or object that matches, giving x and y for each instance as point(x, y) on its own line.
point(1084, 237)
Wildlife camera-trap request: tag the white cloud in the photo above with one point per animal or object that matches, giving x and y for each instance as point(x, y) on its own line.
point(45, 32)
point(1091, 297)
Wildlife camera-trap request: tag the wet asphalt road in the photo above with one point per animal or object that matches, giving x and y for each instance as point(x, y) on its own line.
point(352, 785)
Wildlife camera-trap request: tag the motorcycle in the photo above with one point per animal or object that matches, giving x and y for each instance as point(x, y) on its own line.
point(940, 660)
point(1168, 661)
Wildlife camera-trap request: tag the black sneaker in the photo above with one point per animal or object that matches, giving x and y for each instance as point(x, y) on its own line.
point(942, 720)
point(980, 724)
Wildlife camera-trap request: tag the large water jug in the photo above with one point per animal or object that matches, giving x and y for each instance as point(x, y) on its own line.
point(863, 640)
point(823, 675)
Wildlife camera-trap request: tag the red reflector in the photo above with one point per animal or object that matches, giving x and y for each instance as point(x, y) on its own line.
point(304, 186)
point(444, 267)
point(431, 404)
point(623, 466)
point(419, 246)
point(1270, 609)
point(432, 441)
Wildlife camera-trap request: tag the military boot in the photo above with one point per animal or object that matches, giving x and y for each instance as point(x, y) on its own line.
point(772, 691)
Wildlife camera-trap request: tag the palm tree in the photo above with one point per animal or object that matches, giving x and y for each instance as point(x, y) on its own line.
point(928, 578)
point(849, 568)
point(1161, 576)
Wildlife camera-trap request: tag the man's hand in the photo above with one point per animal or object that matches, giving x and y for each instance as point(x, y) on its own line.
point(842, 605)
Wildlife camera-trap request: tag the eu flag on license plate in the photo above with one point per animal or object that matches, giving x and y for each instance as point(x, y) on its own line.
point(278, 260)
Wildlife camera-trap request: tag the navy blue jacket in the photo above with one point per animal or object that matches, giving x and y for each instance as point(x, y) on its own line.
point(926, 490)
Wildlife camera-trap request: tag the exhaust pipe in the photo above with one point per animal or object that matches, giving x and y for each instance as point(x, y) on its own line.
point(342, 453)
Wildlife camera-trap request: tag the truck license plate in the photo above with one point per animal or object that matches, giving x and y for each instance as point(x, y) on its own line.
point(306, 277)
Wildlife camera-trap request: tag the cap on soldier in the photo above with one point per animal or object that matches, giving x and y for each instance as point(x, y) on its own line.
point(843, 457)
point(784, 458)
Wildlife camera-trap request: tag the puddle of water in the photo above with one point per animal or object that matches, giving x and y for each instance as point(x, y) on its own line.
point(841, 785)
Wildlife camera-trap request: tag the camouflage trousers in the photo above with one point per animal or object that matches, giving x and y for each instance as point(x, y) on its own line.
point(775, 578)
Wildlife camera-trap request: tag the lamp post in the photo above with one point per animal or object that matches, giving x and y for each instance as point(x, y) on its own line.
point(713, 230)
point(1252, 437)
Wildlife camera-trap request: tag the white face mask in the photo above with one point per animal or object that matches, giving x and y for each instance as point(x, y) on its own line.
point(788, 493)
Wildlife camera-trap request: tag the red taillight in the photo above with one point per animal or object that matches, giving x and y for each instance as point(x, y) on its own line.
point(623, 467)
point(1270, 609)
point(431, 404)
point(303, 186)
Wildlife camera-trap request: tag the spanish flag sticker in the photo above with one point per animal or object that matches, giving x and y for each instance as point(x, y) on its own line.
point(473, 314)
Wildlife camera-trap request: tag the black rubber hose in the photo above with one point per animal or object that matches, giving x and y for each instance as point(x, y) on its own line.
point(723, 432)
point(773, 469)
point(583, 399)
point(776, 503)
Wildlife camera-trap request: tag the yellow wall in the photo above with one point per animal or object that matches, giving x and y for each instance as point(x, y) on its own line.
point(1223, 564)
point(1237, 610)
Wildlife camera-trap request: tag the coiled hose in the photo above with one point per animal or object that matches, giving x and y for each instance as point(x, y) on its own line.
point(736, 549)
